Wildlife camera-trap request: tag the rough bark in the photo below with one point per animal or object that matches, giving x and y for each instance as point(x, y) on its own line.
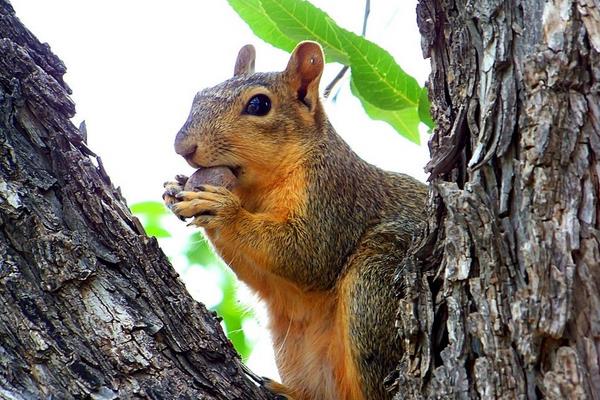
point(507, 302)
point(91, 308)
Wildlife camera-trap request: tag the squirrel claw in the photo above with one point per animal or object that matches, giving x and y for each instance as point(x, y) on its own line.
point(267, 383)
point(171, 191)
point(181, 179)
point(211, 209)
point(172, 188)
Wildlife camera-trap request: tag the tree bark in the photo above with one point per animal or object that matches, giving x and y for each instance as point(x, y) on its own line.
point(91, 307)
point(507, 302)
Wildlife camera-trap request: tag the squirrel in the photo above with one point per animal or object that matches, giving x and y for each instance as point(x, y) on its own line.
point(310, 227)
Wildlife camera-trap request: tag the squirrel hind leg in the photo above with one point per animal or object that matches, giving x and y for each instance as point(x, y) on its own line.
point(371, 326)
point(280, 390)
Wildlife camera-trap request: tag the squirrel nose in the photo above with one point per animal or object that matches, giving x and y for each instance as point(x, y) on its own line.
point(186, 149)
point(187, 152)
point(183, 146)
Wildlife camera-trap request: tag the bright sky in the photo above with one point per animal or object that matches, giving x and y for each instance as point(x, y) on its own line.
point(134, 67)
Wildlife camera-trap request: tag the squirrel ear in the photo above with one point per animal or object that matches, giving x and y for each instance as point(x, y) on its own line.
point(244, 65)
point(304, 71)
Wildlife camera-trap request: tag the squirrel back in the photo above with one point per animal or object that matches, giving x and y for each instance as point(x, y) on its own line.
point(315, 230)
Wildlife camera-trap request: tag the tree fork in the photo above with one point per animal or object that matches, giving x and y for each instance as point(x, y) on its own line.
point(91, 307)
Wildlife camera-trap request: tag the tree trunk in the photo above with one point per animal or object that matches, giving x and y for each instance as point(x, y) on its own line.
point(91, 308)
point(507, 300)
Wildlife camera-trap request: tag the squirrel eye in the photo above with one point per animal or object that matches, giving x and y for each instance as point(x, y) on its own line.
point(258, 105)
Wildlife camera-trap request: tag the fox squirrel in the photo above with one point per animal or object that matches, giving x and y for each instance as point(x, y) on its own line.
point(313, 229)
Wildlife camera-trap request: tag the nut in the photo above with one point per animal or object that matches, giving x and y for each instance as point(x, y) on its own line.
point(215, 176)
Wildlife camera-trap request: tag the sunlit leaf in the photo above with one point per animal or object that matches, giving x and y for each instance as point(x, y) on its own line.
point(300, 20)
point(156, 231)
point(378, 77)
point(150, 214)
point(253, 13)
point(233, 316)
point(405, 121)
point(149, 208)
point(198, 251)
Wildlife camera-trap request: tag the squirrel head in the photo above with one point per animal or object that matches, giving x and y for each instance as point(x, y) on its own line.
point(256, 122)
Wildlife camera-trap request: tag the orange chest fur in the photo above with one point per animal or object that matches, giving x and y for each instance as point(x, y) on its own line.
point(310, 336)
point(311, 344)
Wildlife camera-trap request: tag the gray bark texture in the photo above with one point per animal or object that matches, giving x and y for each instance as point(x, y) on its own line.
point(90, 306)
point(502, 294)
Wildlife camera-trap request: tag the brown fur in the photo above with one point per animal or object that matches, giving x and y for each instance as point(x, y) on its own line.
point(313, 229)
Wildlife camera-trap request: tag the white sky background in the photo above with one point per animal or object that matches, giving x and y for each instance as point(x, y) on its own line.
point(134, 67)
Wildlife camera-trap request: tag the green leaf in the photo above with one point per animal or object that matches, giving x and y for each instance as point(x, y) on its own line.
point(156, 231)
point(150, 214)
point(424, 109)
point(378, 77)
point(405, 121)
point(254, 15)
point(300, 20)
point(198, 251)
point(149, 208)
point(233, 315)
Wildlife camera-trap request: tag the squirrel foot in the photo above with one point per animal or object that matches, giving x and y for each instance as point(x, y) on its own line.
point(211, 206)
point(281, 391)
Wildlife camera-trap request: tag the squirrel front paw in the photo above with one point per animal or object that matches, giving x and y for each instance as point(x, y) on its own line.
point(211, 206)
point(171, 190)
